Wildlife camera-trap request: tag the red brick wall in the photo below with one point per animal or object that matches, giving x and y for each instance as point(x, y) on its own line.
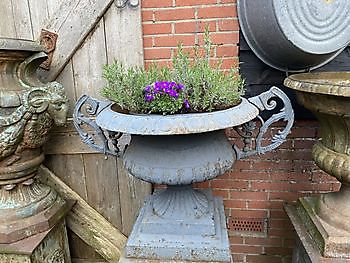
point(259, 186)
point(168, 22)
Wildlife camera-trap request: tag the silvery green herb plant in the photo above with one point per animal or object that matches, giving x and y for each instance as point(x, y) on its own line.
point(192, 84)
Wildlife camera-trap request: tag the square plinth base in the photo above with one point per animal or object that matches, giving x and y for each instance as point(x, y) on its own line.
point(123, 259)
point(46, 247)
point(309, 240)
point(143, 245)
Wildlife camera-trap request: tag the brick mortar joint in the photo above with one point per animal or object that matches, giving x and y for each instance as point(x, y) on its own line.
point(209, 19)
point(233, 18)
point(169, 8)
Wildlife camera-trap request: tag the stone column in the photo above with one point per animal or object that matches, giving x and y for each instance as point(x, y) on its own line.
point(32, 227)
point(322, 222)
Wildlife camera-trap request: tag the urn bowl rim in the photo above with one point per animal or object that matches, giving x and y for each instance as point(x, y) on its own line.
point(189, 123)
point(13, 44)
point(327, 83)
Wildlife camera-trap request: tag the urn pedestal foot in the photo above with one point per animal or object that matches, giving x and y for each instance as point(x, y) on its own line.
point(189, 235)
point(50, 246)
point(334, 208)
point(317, 241)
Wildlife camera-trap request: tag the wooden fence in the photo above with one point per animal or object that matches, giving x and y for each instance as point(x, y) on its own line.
point(91, 33)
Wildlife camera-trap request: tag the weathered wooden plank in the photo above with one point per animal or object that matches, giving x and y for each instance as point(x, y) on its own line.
point(88, 62)
point(39, 14)
point(21, 15)
point(124, 35)
point(132, 195)
point(70, 169)
point(124, 43)
point(66, 78)
point(255, 71)
point(72, 22)
point(80, 250)
point(66, 143)
point(53, 6)
point(101, 174)
point(7, 29)
point(65, 140)
point(86, 222)
point(87, 65)
point(103, 187)
point(77, 260)
point(15, 17)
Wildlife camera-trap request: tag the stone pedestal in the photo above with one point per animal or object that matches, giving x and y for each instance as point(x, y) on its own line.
point(124, 259)
point(325, 218)
point(50, 246)
point(32, 214)
point(156, 236)
point(308, 248)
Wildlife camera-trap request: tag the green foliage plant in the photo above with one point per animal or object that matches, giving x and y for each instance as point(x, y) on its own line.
point(193, 84)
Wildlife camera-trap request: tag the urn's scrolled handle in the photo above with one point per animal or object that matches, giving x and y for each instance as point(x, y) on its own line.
point(85, 111)
point(26, 71)
point(266, 101)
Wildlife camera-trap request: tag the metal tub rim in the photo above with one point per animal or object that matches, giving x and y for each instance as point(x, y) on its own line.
point(280, 52)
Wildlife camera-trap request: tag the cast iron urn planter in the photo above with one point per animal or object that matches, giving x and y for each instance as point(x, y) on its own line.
point(179, 222)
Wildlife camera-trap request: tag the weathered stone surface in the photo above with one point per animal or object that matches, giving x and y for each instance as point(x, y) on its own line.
point(326, 218)
point(306, 249)
point(177, 235)
point(50, 246)
point(28, 110)
point(331, 241)
point(123, 259)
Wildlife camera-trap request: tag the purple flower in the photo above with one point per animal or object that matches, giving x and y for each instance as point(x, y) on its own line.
point(172, 84)
point(158, 87)
point(173, 93)
point(180, 86)
point(164, 88)
point(186, 104)
point(149, 97)
point(148, 89)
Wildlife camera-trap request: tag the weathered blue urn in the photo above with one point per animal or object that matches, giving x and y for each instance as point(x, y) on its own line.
point(181, 223)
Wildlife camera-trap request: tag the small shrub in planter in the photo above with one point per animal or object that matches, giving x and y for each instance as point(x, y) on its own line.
point(191, 85)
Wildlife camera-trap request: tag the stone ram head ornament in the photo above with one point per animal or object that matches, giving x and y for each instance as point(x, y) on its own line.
point(51, 100)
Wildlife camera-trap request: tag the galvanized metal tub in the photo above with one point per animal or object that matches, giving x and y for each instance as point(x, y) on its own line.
point(295, 35)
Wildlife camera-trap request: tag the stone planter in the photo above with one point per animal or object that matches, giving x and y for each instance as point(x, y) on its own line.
point(326, 217)
point(29, 210)
point(180, 223)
